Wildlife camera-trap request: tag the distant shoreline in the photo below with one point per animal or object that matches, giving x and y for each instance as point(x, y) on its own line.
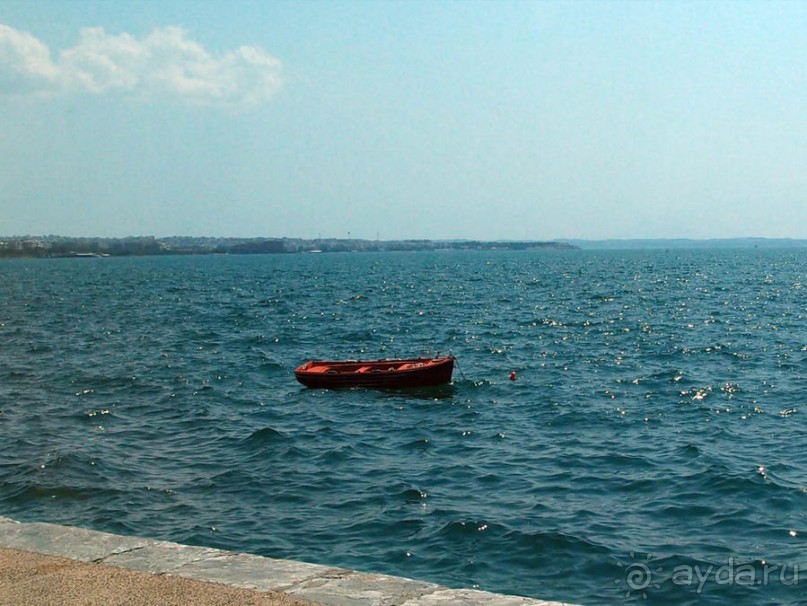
point(77, 247)
point(688, 243)
point(61, 246)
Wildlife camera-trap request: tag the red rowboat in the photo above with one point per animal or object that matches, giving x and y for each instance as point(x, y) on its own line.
point(391, 374)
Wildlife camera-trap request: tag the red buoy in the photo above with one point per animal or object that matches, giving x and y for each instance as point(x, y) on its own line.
point(513, 376)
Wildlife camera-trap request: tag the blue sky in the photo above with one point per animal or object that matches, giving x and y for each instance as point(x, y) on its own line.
point(489, 120)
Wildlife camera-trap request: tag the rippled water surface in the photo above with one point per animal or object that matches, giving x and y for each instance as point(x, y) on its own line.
point(652, 448)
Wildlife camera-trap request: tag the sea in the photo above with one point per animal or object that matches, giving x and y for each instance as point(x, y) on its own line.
point(652, 447)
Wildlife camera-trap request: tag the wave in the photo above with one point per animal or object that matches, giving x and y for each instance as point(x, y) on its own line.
point(265, 435)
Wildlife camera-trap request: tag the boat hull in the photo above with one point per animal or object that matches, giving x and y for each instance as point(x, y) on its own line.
point(376, 374)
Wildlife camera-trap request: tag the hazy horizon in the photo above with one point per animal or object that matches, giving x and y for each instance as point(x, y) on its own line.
point(749, 239)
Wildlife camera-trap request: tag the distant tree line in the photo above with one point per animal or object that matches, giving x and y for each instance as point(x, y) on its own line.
point(61, 246)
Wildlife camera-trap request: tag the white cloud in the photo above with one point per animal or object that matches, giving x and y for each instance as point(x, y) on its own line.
point(25, 64)
point(165, 63)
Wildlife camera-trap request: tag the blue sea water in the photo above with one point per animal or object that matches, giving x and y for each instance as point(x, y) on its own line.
point(651, 450)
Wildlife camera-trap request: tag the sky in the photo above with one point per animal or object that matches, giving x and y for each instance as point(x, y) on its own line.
point(493, 120)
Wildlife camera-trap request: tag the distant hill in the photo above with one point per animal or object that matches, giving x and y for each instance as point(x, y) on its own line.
point(685, 243)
